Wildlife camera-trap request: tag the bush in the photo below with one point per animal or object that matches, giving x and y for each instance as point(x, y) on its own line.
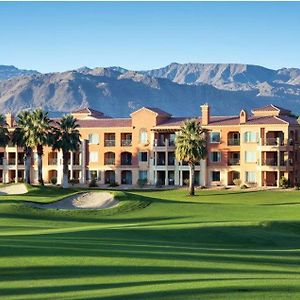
point(283, 182)
point(296, 187)
point(237, 181)
point(93, 183)
point(74, 181)
point(186, 181)
point(53, 180)
point(243, 186)
point(158, 184)
point(141, 182)
point(113, 184)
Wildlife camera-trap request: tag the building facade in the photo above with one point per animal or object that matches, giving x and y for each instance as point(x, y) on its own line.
point(258, 149)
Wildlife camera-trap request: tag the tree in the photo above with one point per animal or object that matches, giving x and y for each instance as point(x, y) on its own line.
point(191, 147)
point(66, 137)
point(41, 130)
point(4, 134)
point(22, 137)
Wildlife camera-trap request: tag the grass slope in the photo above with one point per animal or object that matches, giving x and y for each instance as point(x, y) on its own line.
point(155, 245)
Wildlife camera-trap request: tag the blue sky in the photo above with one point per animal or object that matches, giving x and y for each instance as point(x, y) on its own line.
point(53, 36)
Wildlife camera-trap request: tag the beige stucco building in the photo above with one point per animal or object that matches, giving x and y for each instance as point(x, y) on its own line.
point(258, 148)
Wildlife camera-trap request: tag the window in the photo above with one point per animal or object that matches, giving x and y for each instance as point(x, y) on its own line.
point(93, 156)
point(143, 136)
point(215, 176)
point(251, 176)
point(215, 137)
point(109, 139)
point(250, 137)
point(143, 175)
point(94, 138)
point(143, 156)
point(250, 156)
point(215, 156)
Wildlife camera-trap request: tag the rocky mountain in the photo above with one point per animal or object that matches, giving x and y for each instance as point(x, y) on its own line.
point(233, 77)
point(7, 72)
point(178, 89)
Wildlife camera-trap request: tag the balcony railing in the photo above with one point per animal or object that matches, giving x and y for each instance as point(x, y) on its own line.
point(233, 142)
point(109, 161)
point(234, 162)
point(126, 143)
point(269, 162)
point(126, 162)
point(109, 143)
point(163, 143)
point(52, 161)
point(11, 161)
point(273, 142)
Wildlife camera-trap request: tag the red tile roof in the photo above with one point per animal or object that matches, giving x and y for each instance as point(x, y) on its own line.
point(90, 112)
point(158, 111)
point(271, 107)
point(105, 123)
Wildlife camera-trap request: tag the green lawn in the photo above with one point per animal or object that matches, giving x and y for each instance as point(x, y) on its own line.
point(155, 245)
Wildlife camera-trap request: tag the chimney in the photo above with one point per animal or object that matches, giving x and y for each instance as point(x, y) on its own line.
point(9, 119)
point(243, 117)
point(205, 110)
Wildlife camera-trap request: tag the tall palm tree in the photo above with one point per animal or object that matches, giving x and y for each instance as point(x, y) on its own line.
point(191, 147)
point(4, 134)
point(41, 125)
point(22, 137)
point(66, 137)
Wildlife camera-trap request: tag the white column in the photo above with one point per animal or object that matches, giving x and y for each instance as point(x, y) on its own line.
point(5, 168)
point(176, 173)
point(83, 162)
point(71, 164)
point(59, 167)
point(203, 172)
point(16, 165)
point(166, 165)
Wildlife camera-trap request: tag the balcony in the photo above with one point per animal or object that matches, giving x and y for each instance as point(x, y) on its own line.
point(11, 161)
point(164, 143)
point(109, 143)
point(269, 162)
point(52, 161)
point(233, 142)
point(126, 143)
point(109, 161)
point(233, 161)
point(273, 142)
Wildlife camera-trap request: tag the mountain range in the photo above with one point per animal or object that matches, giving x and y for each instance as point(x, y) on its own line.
point(177, 88)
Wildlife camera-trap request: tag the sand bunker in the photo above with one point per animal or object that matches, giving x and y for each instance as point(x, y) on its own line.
point(92, 200)
point(13, 189)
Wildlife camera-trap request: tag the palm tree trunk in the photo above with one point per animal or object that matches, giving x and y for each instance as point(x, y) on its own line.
point(192, 179)
point(27, 160)
point(40, 164)
point(65, 181)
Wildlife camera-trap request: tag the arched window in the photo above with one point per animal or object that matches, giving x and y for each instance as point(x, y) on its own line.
point(143, 136)
point(109, 158)
point(126, 158)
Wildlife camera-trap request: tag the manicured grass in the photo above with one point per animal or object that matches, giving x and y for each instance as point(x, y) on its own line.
point(155, 245)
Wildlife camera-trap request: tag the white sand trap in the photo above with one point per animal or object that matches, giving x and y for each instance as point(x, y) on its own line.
point(13, 189)
point(92, 200)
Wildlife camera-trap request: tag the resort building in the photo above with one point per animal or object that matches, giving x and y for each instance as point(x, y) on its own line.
point(258, 149)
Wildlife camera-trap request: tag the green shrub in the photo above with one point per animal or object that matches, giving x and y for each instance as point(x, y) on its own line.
point(53, 180)
point(141, 182)
point(113, 184)
point(186, 181)
point(237, 181)
point(74, 181)
point(283, 182)
point(93, 183)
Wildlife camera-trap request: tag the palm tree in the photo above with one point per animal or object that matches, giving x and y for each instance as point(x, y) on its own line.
point(4, 134)
point(41, 130)
point(66, 137)
point(22, 137)
point(191, 147)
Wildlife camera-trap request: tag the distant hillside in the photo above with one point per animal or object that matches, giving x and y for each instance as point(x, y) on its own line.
point(7, 72)
point(178, 89)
